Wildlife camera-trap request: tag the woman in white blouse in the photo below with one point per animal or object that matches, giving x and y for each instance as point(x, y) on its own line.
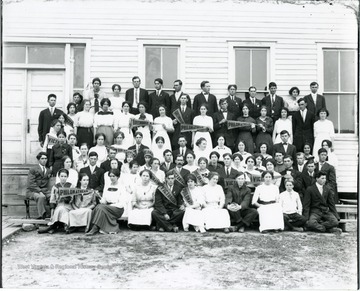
point(116, 100)
point(100, 148)
point(190, 162)
point(162, 128)
point(118, 144)
point(291, 101)
point(124, 124)
point(83, 125)
point(104, 121)
point(155, 170)
point(145, 130)
point(206, 121)
point(283, 123)
point(323, 129)
point(221, 148)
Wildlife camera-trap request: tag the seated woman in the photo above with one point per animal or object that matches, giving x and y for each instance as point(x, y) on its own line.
point(114, 164)
point(214, 164)
point(266, 200)
point(252, 176)
point(131, 179)
point(307, 150)
point(215, 215)
point(190, 162)
point(202, 173)
point(83, 160)
point(155, 171)
point(72, 174)
point(82, 206)
point(242, 152)
point(237, 162)
point(259, 162)
point(270, 167)
point(118, 144)
point(264, 151)
point(58, 151)
point(148, 156)
point(201, 150)
point(60, 206)
point(158, 149)
point(221, 148)
point(100, 148)
point(142, 202)
point(72, 140)
point(194, 200)
point(111, 208)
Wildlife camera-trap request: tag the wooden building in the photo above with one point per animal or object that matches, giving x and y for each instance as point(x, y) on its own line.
point(59, 46)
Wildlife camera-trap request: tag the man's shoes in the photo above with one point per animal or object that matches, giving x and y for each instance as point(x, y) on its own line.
point(175, 229)
point(161, 229)
point(335, 230)
point(241, 229)
point(226, 230)
point(233, 228)
point(186, 229)
point(94, 230)
point(153, 228)
point(298, 229)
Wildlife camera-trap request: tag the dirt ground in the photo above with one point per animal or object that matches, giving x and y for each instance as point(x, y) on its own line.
point(214, 260)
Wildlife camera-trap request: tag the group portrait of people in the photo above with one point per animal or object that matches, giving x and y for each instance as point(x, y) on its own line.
point(171, 162)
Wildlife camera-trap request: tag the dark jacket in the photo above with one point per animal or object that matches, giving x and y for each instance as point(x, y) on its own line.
point(241, 196)
point(155, 101)
point(199, 99)
point(273, 111)
point(140, 156)
point(45, 119)
point(144, 96)
point(303, 131)
point(96, 180)
point(312, 107)
point(38, 181)
point(163, 205)
point(222, 130)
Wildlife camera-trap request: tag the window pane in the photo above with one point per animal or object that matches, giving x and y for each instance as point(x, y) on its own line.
point(347, 71)
point(14, 54)
point(46, 55)
point(242, 69)
point(152, 65)
point(331, 71)
point(259, 68)
point(79, 54)
point(332, 106)
point(347, 113)
point(170, 66)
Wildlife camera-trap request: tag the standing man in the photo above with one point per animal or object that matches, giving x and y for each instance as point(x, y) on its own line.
point(220, 124)
point(314, 100)
point(168, 208)
point(175, 98)
point(234, 103)
point(273, 102)
point(38, 184)
point(253, 104)
point(95, 95)
point(303, 126)
point(46, 116)
point(205, 98)
point(157, 98)
point(319, 206)
point(136, 95)
point(138, 148)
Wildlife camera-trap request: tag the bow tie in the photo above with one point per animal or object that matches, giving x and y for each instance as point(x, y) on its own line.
point(284, 143)
point(206, 93)
point(224, 111)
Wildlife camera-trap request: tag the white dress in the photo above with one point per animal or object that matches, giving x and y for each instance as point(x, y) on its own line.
point(190, 168)
point(201, 154)
point(160, 131)
point(102, 153)
point(270, 215)
point(280, 125)
point(116, 105)
point(214, 214)
point(145, 130)
point(193, 216)
point(203, 121)
point(124, 127)
point(323, 129)
point(143, 200)
point(129, 181)
point(159, 153)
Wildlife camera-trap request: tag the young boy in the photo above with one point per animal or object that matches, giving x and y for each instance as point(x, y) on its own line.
point(292, 208)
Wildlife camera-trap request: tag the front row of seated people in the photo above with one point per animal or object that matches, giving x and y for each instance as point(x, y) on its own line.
point(202, 204)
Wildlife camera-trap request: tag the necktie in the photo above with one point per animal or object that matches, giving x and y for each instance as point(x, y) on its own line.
point(228, 172)
point(96, 103)
point(303, 115)
point(183, 109)
point(157, 92)
point(52, 111)
point(253, 100)
point(272, 100)
point(136, 96)
point(43, 170)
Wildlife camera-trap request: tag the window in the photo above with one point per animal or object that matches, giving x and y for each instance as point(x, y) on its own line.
point(161, 62)
point(251, 69)
point(339, 67)
point(78, 57)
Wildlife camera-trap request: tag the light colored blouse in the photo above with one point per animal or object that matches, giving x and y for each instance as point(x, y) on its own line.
point(102, 153)
point(114, 196)
point(266, 193)
point(84, 119)
point(214, 196)
point(144, 196)
point(101, 119)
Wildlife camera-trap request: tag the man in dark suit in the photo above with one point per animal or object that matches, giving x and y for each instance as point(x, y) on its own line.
point(329, 170)
point(205, 98)
point(238, 199)
point(157, 98)
point(46, 116)
point(182, 150)
point(175, 98)
point(314, 100)
point(234, 103)
point(319, 206)
point(300, 162)
point(179, 170)
point(188, 116)
point(308, 176)
point(136, 95)
point(284, 147)
point(96, 174)
point(168, 208)
point(220, 119)
point(279, 159)
point(227, 172)
point(273, 102)
point(253, 104)
point(38, 184)
point(138, 148)
point(111, 156)
point(168, 164)
point(292, 174)
point(303, 126)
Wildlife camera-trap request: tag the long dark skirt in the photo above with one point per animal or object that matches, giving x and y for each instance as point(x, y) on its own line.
point(105, 217)
point(247, 137)
point(264, 137)
point(109, 133)
point(85, 135)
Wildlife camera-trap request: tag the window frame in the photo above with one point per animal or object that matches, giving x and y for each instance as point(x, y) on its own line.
point(248, 44)
point(178, 43)
point(321, 47)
